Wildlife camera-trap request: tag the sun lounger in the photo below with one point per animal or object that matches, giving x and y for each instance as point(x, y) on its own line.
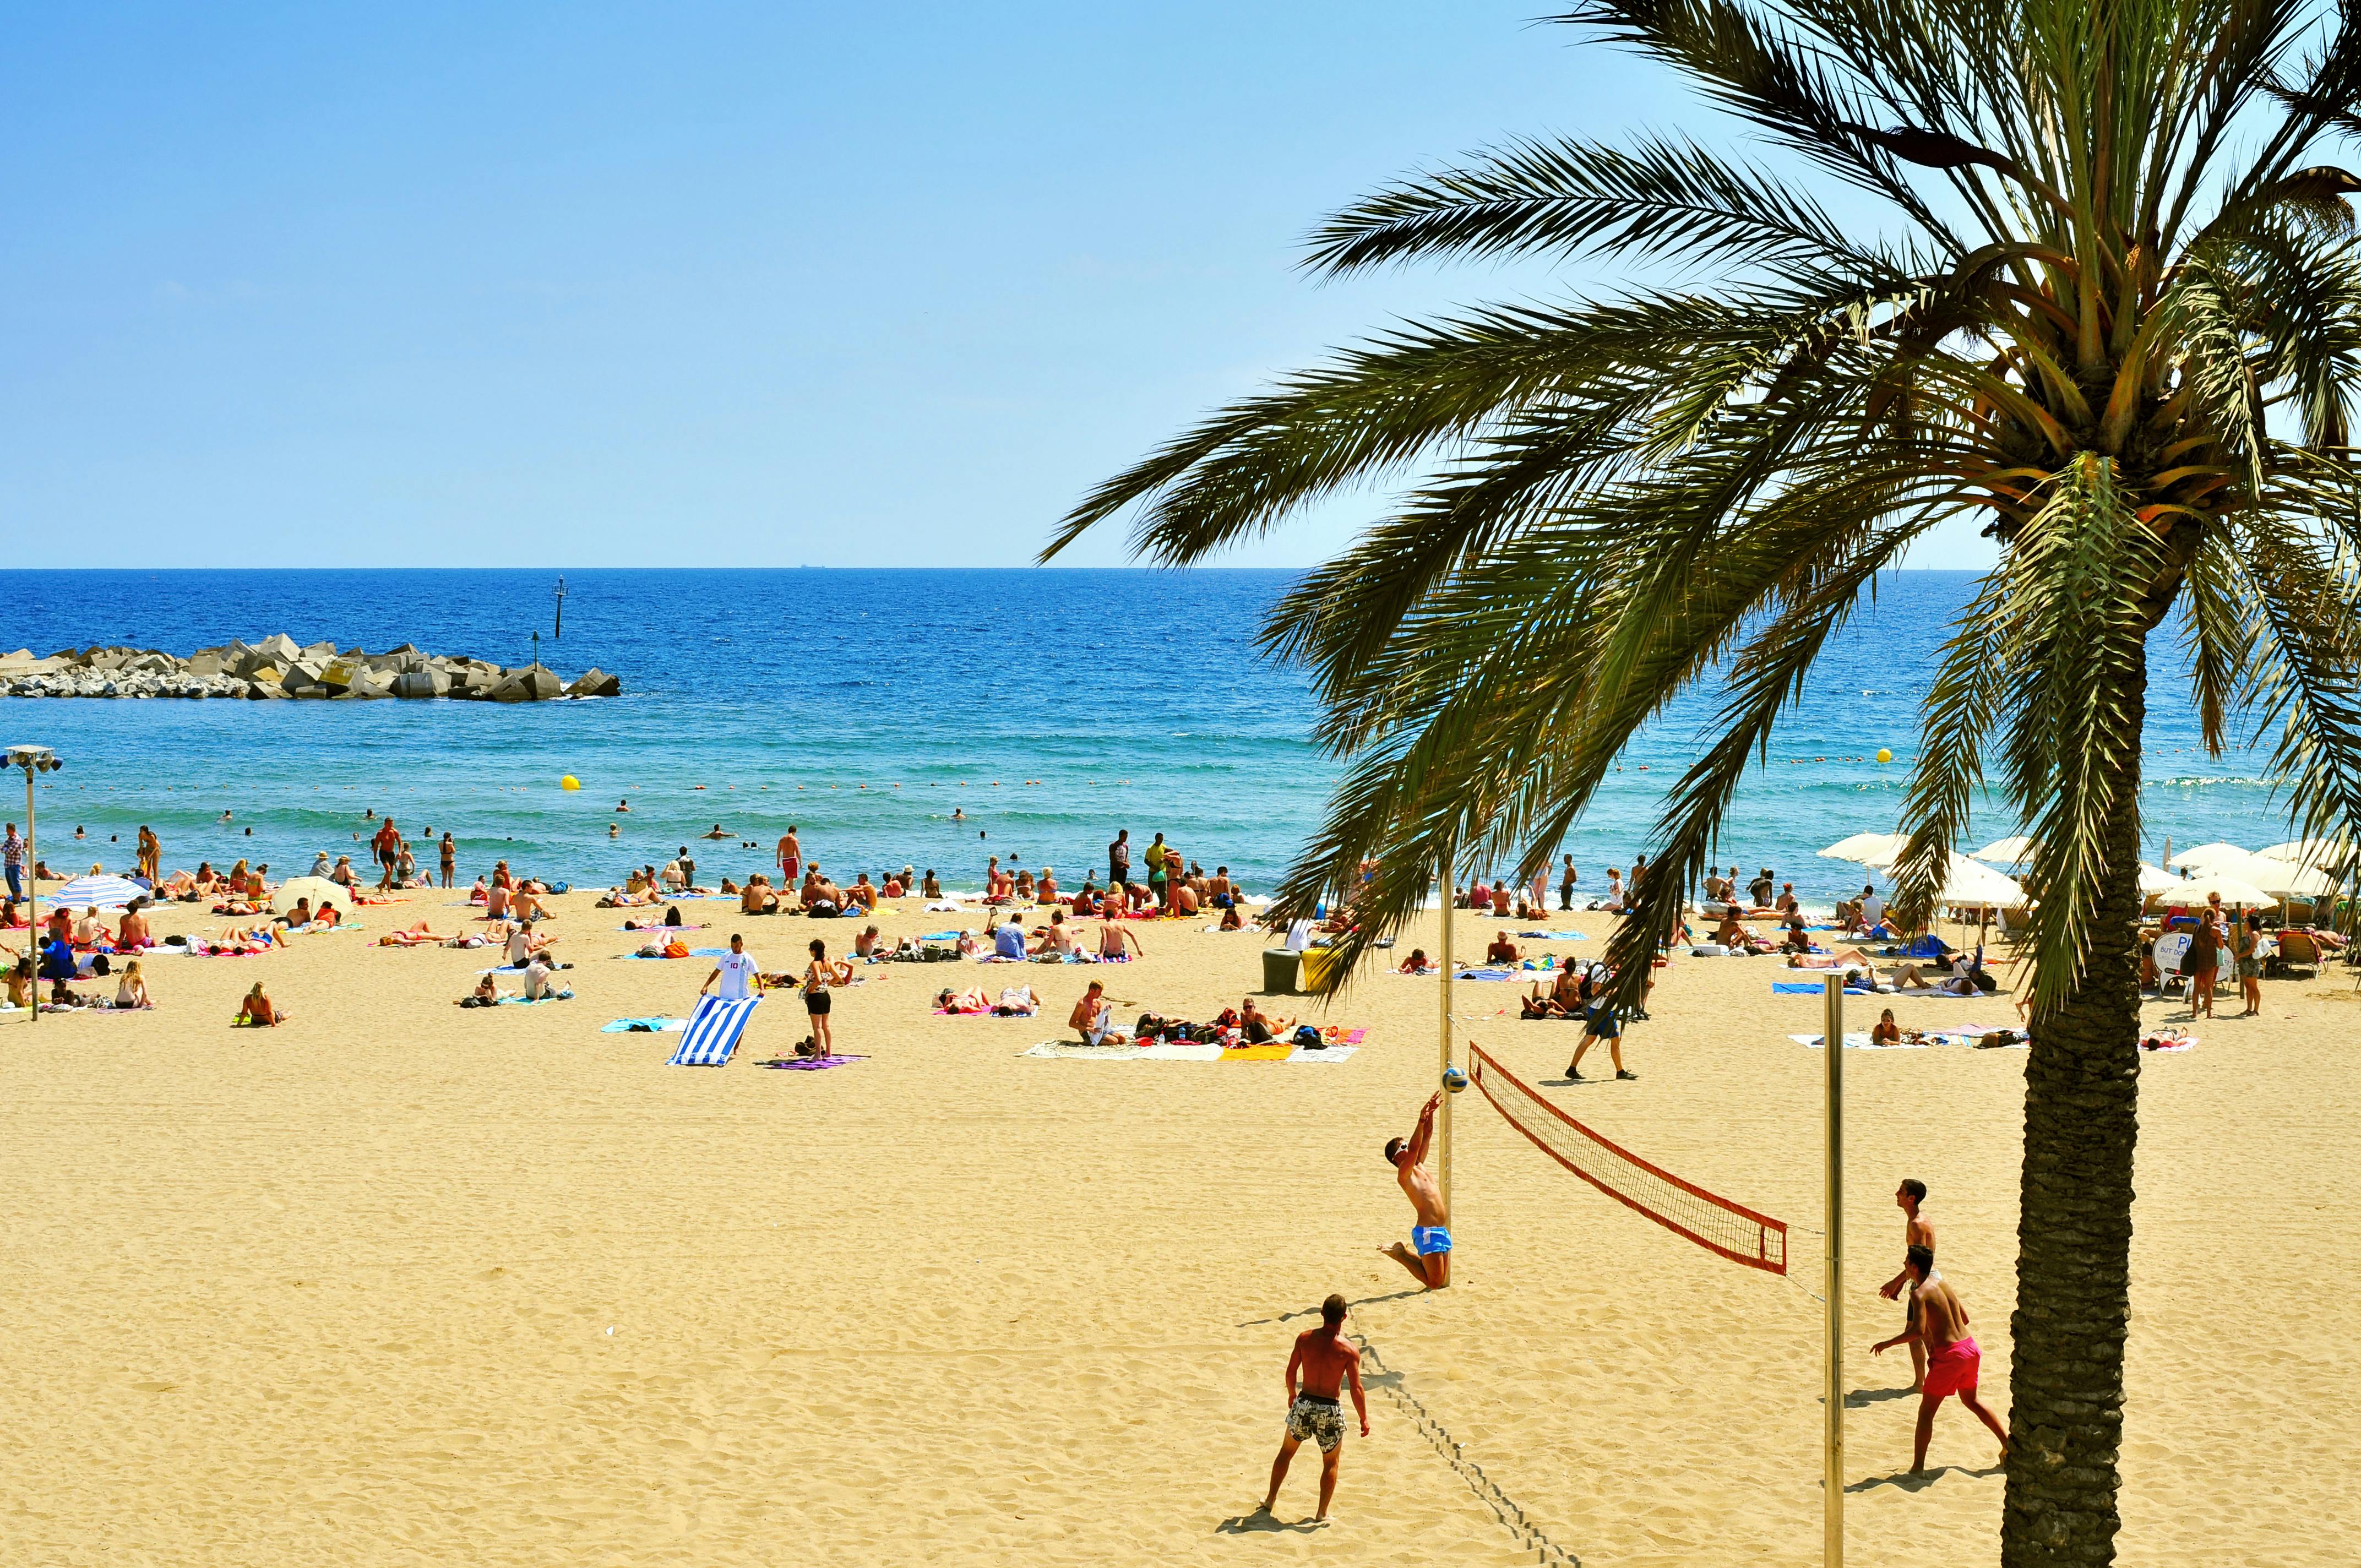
point(713, 1030)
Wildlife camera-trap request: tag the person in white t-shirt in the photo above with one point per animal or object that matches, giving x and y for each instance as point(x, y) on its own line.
point(1873, 908)
point(735, 969)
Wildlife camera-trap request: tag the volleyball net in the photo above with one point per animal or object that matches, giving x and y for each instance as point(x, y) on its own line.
point(1734, 1231)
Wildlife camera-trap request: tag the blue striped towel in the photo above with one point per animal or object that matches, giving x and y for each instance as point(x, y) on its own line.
point(713, 1030)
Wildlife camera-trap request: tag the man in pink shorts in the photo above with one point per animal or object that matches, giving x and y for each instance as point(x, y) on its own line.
point(1953, 1358)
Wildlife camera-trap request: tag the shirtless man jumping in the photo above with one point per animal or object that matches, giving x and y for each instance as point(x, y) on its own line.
point(1329, 1362)
point(1917, 1230)
point(1431, 1266)
point(1953, 1358)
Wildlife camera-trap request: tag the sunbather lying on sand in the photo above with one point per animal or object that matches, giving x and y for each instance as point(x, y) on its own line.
point(416, 936)
point(1910, 977)
point(1849, 959)
point(971, 1000)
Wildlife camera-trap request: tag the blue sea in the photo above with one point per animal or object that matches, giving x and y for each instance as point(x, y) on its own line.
point(1047, 708)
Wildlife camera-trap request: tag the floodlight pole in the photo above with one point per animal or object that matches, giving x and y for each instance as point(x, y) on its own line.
point(1832, 1283)
point(1442, 1130)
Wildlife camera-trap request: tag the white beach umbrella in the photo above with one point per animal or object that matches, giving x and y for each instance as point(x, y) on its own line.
point(2008, 851)
point(100, 890)
point(2302, 851)
point(2282, 879)
point(1879, 849)
point(1969, 881)
point(2235, 891)
point(318, 889)
point(2205, 855)
point(2154, 883)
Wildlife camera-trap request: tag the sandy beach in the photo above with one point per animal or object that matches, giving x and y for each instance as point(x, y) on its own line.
point(398, 1282)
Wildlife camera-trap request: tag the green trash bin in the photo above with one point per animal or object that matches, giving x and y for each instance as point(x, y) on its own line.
point(1279, 971)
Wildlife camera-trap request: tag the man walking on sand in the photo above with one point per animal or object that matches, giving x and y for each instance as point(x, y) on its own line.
point(1329, 1362)
point(1953, 1358)
point(1430, 1264)
point(1918, 1231)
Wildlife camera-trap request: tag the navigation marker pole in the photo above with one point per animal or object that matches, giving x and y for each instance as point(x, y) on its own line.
point(1832, 1283)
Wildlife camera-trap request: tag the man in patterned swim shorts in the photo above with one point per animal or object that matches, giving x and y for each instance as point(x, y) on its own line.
point(1329, 1362)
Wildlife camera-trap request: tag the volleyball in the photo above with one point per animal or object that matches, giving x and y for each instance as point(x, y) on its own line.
point(569, 782)
point(1454, 1080)
point(1883, 755)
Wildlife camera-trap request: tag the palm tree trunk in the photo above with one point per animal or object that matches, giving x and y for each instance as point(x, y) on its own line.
point(2074, 1229)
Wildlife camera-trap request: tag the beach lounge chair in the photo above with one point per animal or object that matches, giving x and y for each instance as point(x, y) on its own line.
point(2297, 951)
point(713, 1030)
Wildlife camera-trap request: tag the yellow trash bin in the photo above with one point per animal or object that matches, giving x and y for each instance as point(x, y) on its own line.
point(1317, 964)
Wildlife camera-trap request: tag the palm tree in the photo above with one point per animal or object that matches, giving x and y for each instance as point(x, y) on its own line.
point(2116, 314)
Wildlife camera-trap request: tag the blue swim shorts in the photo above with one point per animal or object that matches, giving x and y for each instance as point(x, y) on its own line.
point(1430, 1239)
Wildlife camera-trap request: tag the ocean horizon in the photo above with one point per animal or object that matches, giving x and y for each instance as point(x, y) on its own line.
point(918, 716)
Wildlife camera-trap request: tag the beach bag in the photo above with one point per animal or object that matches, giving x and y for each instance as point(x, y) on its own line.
point(672, 917)
point(1308, 1036)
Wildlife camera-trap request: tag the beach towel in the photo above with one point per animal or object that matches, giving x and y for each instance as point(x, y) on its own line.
point(659, 925)
point(669, 958)
point(1074, 1050)
point(1813, 988)
point(809, 1064)
point(650, 1026)
point(713, 1030)
point(1556, 936)
point(1331, 1053)
point(1485, 974)
point(536, 1001)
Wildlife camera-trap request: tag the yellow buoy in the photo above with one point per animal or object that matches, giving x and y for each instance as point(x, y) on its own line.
point(569, 782)
point(1884, 755)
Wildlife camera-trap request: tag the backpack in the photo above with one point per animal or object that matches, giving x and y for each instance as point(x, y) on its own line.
point(1308, 1036)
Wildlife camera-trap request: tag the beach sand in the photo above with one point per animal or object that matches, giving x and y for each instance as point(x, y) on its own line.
point(404, 1283)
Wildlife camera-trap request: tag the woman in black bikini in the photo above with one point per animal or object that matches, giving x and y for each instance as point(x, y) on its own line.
point(818, 976)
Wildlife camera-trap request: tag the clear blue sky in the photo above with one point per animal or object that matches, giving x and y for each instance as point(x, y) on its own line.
point(697, 283)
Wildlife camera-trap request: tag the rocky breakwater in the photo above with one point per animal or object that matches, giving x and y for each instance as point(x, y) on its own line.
point(275, 669)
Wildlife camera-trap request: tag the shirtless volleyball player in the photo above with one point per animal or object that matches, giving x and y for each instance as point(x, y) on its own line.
point(1329, 1362)
point(1953, 1358)
point(1431, 1266)
point(1917, 1230)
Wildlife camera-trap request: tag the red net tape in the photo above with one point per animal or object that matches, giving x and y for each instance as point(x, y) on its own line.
point(1734, 1231)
